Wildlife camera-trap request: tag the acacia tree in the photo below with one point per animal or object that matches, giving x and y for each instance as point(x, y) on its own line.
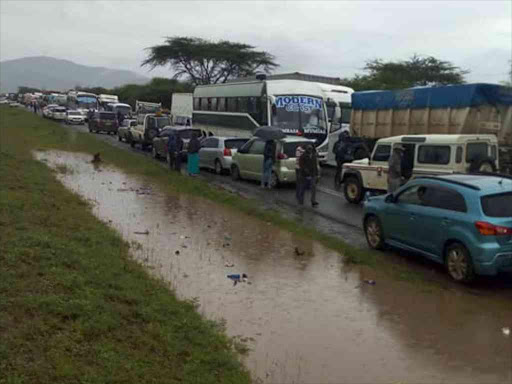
point(416, 71)
point(205, 62)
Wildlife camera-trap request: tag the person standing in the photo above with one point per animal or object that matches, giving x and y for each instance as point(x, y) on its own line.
point(193, 155)
point(268, 163)
point(299, 151)
point(340, 151)
point(171, 150)
point(395, 168)
point(179, 150)
point(308, 164)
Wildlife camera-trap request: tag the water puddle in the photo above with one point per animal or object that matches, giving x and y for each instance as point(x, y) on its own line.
point(305, 317)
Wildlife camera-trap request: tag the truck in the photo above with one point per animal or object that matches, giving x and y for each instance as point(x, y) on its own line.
point(144, 107)
point(104, 100)
point(148, 127)
point(181, 107)
point(454, 109)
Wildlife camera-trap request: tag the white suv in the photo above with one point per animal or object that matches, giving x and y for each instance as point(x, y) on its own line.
point(423, 155)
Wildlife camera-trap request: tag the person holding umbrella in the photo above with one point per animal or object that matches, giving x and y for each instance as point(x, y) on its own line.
point(269, 134)
point(268, 163)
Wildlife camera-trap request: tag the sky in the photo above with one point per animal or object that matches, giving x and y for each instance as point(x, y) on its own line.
point(332, 38)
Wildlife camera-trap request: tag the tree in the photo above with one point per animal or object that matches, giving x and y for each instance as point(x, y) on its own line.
point(23, 90)
point(416, 71)
point(206, 62)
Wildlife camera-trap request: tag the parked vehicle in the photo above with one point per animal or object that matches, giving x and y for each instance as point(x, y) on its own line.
point(182, 121)
point(461, 221)
point(74, 117)
point(423, 155)
point(160, 141)
point(147, 128)
point(59, 113)
point(181, 105)
point(247, 162)
point(104, 100)
point(123, 132)
point(216, 152)
point(144, 107)
point(103, 122)
point(454, 109)
point(47, 111)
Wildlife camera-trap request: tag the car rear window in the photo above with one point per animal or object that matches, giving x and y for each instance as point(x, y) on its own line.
point(235, 144)
point(497, 205)
point(107, 116)
point(187, 133)
point(290, 148)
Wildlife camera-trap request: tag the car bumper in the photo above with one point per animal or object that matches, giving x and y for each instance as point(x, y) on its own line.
point(286, 175)
point(493, 260)
point(226, 162)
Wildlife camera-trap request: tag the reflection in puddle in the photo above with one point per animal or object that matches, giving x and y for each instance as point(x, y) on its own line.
point(306, 317)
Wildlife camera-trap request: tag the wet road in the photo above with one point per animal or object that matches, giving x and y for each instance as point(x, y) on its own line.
point(307, 318)
point(333, 208)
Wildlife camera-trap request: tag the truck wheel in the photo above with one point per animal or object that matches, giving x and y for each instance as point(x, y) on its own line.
point(458, 263)
point(353, 190)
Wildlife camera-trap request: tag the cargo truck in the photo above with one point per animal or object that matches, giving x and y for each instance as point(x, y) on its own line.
point(181, 107)
point(455, 109)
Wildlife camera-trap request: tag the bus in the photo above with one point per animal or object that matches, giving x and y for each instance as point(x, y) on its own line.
point(237, 109)
point(104, 100)
point(83, 102)
point(338, 99)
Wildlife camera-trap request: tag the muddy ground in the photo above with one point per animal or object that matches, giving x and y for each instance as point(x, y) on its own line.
point(305, 316)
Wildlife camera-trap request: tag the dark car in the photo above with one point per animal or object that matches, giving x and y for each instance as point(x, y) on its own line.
point(103, 122)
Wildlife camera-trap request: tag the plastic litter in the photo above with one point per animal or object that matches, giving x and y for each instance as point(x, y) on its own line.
point(229, 264)
point(506, 331)
point(370, 282)
point(237, 278)
point(146, 232)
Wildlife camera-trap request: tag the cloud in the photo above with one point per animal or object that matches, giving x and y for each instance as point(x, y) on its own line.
point(329, 38)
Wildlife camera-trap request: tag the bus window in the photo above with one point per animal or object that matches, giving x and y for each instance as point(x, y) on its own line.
point(197, 104)
point(232, 104)
point(214, 103)
point(221, 104)
point(242, 104)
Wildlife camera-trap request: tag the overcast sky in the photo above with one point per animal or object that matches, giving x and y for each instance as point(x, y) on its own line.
point(332, 38)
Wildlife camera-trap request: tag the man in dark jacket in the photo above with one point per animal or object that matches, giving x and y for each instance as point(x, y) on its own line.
point(308, 164)
point(268, 163)
point(340, 150)
point(179, 150)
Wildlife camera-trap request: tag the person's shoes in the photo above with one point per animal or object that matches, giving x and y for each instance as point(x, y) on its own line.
point(314, 203)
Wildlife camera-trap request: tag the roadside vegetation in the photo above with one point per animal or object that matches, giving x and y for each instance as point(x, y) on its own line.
point(74, 307)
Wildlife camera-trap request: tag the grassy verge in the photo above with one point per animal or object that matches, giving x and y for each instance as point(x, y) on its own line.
point(74, 308)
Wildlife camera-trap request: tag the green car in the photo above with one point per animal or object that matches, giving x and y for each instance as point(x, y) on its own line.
point(247, 162)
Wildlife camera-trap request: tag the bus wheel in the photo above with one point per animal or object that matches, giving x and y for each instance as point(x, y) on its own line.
point(353, 190)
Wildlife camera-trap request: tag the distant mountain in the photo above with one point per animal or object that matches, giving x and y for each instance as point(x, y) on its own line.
point(56, 74)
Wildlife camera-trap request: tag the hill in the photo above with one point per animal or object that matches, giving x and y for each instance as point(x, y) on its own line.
point(57, 74)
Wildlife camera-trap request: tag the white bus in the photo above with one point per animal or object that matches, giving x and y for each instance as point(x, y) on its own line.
point(104, 100)
point(82, 101)
point(338, 99)
point(238, 108)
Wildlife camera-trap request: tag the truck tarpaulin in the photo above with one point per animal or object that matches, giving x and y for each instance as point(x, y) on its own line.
point(451, 96)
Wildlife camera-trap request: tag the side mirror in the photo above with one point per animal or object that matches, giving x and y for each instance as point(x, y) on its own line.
point(337, 115)
point(390, 198)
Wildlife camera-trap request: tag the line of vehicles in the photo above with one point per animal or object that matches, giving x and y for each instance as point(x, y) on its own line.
point(457, 151)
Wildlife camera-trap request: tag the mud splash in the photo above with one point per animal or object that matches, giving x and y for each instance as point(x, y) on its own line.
point(305, 317)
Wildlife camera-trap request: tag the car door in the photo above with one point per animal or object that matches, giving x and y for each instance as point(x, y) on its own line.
point(255, 159)
point(206, 152)
point(242, 158)
point(400, 221)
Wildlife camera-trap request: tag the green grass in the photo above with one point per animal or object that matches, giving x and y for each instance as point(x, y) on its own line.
point(74, 307)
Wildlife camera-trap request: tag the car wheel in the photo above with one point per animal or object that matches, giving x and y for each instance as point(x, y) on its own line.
point(353, 190)
point(235, 173)
point(132, 143)
point(218, 167)
point(274, 180)
point(154, 153)
point(458, 263)
point(119, 138)
point(373, 232)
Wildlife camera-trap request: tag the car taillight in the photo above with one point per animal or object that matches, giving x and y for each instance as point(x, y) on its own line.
point(227, 152)
point(281, 156)
point(488, 229)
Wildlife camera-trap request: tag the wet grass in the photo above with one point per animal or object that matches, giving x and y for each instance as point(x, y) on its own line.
point(74, 307)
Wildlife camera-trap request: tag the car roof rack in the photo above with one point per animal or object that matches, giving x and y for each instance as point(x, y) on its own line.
point(467, 185)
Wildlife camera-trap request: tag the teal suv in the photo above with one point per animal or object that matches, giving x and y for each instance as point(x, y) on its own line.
point(461, 221)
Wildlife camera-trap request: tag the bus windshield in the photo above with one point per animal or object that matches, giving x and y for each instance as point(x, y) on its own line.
point(87, 102)
point(300, 113)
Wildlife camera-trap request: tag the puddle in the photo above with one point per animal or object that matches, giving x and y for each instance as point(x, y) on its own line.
point(306, 317)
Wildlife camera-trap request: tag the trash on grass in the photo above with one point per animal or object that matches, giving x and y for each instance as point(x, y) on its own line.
point(370, 282)
point(506, 331)
point(237, 278)
point(229, 264)
point(146, 232)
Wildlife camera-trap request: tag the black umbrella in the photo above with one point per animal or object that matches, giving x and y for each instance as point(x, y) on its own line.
point(269, 133)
